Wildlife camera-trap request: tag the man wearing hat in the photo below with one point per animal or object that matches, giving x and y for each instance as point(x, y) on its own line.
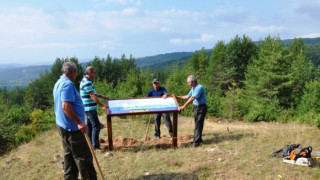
point(158, 91)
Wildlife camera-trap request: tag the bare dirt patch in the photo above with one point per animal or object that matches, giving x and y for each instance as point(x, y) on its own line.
point(127, 142)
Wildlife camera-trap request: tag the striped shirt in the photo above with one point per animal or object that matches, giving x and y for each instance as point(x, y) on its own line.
point(86, 86)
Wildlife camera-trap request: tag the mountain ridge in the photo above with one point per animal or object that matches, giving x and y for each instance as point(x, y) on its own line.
point(19, 75)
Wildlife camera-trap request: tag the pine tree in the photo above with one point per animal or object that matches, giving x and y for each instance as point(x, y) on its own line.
point(239, 51)
point(265, 77)
point(301, 71)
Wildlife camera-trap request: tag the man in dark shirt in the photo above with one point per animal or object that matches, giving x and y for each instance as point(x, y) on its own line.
point(158, 91)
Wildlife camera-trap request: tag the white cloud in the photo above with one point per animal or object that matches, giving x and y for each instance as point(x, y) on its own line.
point(313, 35)
point(130, 11)
point(202, 39)
point(264, 29)
point(122, 2)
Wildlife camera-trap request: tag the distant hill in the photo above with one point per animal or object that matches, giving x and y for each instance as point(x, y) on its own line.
point(14, 75)
point(307, 41)
point(162, 60)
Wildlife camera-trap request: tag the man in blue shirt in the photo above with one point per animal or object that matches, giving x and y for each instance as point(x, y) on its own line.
point(158, 91)
point(197, 96)
point(69, 112)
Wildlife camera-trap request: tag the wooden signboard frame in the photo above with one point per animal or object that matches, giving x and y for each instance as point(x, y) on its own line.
point(135, 106)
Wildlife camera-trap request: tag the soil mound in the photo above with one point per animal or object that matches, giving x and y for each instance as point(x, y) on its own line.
point(164, 142)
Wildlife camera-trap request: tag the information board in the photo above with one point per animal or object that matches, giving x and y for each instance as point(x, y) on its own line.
point(142, 105)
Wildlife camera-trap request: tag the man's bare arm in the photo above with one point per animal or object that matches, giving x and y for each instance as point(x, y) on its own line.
point(96, 100)
point(67, 108)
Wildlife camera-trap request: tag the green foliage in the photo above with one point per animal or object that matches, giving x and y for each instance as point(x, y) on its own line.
point(317, 122)
point(309, 108)
point(263, 110)
point(301, 72)
point(313, 53)
point(230, 104)
point(216, 77)
point(265, 78)
point(40, 121)
point(239, 51)
point(11, 119)
point(177, 84)
point(213, 102)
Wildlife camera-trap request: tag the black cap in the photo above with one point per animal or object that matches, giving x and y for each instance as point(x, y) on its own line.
point(155, 81)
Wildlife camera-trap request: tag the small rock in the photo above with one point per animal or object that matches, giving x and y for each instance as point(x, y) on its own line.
point(108, 154)
point(211, 149)
point(8, 162)
point(60, 164)
point(219, 159)
point(146, 173)
point(57, 157)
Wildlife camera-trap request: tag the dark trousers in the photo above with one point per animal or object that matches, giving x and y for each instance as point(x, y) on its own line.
point(199, 113)
point(77, 156)
point(93, 128)
point(157, 122)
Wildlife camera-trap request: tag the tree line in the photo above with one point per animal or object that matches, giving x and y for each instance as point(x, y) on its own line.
point(263, 81)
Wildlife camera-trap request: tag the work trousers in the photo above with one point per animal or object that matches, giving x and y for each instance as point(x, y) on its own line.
point(93, 128)
point(199, 113)
point(157, 123)
point(77, 156)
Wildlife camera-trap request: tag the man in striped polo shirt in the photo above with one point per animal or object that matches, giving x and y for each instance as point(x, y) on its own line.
point(91, 102)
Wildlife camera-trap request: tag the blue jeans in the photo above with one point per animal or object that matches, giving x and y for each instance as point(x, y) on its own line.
point(157, 122)
point(93, 128)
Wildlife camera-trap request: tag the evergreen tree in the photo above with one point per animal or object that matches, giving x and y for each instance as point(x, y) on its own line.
point(238, 53)
point(203, 63)
point(194, 62)
point(265, 77)
point(216, 77)
point(99, 65)
point(301, 71)
point(108, 69)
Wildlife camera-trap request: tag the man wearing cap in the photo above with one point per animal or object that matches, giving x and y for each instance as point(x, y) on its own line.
point(158, 91)
point(197, 96)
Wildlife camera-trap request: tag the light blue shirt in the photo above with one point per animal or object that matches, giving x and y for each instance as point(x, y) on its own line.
point(65, 91)
point(199, 93)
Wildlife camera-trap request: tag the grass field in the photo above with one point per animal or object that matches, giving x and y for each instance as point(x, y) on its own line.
point(231, 150)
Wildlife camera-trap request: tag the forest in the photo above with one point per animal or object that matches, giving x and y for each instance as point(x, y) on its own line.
point(244, 80)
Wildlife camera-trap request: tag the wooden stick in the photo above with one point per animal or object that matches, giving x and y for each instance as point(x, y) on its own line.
point(93, 154)
point(147, 129)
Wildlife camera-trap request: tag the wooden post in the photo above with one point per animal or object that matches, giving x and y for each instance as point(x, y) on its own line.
point(109, 126)
point(175, 129)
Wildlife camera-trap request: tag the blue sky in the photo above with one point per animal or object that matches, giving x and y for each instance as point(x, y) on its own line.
point(38, 31)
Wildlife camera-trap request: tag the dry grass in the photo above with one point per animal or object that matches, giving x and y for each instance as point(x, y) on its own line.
point(234, 150)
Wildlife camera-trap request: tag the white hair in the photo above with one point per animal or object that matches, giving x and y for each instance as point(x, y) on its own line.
point(192, 78)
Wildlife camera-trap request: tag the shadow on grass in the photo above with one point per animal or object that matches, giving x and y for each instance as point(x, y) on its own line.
point(220, 137)
point(168, 176)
